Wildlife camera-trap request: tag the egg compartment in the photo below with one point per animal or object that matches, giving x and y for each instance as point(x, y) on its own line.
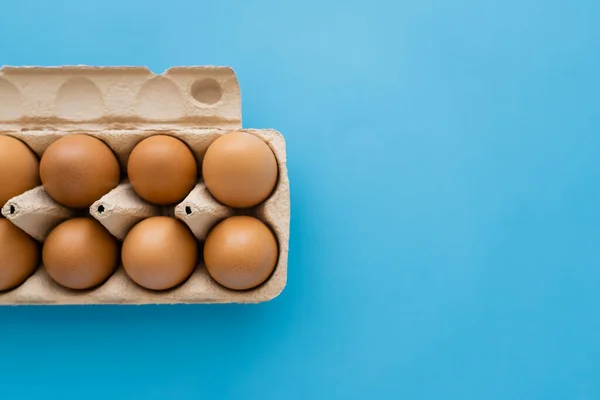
point(36, 213)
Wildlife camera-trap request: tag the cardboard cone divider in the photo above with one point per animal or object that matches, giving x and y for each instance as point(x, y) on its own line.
point(122, 106)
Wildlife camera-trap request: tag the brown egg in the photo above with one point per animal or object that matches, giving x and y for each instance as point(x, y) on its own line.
point(19, 255)
point(77, 170)
point(162, 169)
point(239, 169)
point(240, 252)
point(19, 168)
point(159, 253)
point(80, 253)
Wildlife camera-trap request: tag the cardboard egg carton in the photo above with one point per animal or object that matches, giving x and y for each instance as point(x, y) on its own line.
point(122, 106)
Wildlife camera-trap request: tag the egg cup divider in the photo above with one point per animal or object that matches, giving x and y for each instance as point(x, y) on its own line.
point(122, 106)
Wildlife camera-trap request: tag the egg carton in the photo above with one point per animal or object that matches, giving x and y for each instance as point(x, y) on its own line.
point(122, 106)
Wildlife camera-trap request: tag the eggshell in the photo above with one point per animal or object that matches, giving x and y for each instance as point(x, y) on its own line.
point(19, 255)
point(162, 169)
point(77, 170)
point(19, 168)
point(240, 252)
point(159, 253)
point(80, 253)
point(239, 169)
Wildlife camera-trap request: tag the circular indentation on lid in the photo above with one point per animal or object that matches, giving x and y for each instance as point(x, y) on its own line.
point(207, 91)
point(100, 209)
point(10, 101)
point(79, 99)
point(160, 99)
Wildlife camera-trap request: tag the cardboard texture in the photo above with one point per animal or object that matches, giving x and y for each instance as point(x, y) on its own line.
point(122, 106)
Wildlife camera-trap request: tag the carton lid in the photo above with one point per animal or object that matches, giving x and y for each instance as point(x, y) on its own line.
point(123, 97)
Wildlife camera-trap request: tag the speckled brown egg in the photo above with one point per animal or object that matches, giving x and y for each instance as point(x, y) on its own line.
point(19, 255)
point(19, 168)
point(80, 253)
point(239, 169)
point(159, 253)
point(240, 252)
point(77, 170)
point(162, 169)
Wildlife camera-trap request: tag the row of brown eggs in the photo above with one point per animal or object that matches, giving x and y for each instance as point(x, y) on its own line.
point(239, 170)
point(158, 253)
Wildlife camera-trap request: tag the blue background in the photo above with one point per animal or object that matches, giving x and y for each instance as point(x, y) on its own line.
point(444, 162)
